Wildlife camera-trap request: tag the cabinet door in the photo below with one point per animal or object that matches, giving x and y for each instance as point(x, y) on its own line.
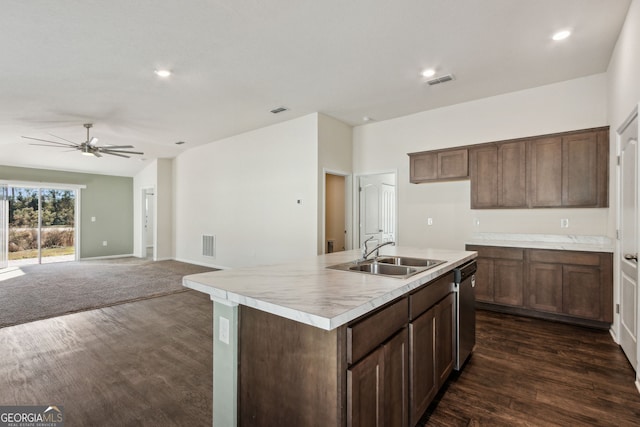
point(453, 164)
point(483, 164)
point(484, 280)
point(585, 169)
point(396, 379)
point(365, 393)
point(445, 319)
point(581, 292)
point(545, 287)
point(423, 167)
point(508, 282)
point(512, 177)
point(422, 377)
point(545, 172)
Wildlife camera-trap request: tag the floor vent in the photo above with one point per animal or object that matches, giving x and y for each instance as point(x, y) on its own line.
point(208, 245)
point(441, 79)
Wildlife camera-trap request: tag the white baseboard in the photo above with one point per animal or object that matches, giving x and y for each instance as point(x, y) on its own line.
point(638, 384)
point(188, 261)
point(109, 257)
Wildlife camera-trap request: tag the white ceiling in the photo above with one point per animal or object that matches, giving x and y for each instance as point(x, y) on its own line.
point(68, 62)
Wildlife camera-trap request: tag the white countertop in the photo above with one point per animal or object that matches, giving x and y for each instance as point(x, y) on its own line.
point(307, 292)
point(544, 241)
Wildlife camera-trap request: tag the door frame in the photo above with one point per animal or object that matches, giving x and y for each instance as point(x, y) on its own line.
point(618, 255)
point(348, 207)
point(143, 234)
point(356, 204)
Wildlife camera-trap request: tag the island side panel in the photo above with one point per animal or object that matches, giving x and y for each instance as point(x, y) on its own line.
point(225, 364)
point(289, 373)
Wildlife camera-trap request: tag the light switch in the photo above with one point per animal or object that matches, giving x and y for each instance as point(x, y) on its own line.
point(93, 219)
point(429, 221)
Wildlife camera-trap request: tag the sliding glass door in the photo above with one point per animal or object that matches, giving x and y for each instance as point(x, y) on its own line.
point(41, 225)
point(4, 227)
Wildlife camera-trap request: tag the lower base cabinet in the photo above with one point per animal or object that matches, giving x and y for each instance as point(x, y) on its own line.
point(377, 392)
point(432, 355)
point(569, 286)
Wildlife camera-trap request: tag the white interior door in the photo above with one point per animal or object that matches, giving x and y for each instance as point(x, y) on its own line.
point(4, 227)
point(377, 208)
point(629, 239)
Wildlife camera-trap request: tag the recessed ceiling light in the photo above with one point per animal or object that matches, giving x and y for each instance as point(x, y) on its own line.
point(367, 119)
point(428, 73)
point(561, 35)
point(163, 73)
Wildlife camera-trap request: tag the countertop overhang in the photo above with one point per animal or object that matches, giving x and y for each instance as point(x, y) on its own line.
point(307, 292)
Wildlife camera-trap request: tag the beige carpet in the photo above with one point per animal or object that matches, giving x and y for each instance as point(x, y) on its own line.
point(40, 291)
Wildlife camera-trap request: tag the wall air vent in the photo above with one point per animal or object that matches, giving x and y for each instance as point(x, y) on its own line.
point(209, 245)
point(279, 110)
point(441, 79)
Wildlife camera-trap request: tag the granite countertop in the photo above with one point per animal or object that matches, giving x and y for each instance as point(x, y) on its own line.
point(544, 241)
point(307, 292)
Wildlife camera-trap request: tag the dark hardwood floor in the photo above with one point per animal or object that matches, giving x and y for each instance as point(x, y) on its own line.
point(528, 372)
point(149, 363)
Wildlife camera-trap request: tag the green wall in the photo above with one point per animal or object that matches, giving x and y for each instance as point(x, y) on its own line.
point(108, 198)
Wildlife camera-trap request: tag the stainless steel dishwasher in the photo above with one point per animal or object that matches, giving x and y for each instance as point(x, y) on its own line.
point(465, 309)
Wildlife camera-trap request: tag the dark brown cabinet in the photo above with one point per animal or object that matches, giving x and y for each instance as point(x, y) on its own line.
point(439, 165)
point(376, 386)
point(500, 275)
point(431, 356)
point(561, 170)
point(569, 170)
point(570, 286)
point(577, 284)
point(498, 176)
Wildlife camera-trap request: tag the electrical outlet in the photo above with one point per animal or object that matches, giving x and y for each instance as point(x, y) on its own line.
point(93, 219)
point(564, 223)
point(104, 243)
point(476, 222)
point(223, 330)
point(429, 221)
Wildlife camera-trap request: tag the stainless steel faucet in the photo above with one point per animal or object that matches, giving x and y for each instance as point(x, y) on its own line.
point(366, 254)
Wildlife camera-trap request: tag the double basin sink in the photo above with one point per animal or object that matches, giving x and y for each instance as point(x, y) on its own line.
point(390, 266)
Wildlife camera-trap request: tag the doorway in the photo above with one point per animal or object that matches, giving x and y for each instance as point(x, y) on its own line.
point(377, 208)
point(335, 213)
point(628, 224)
point(40, 224)
point(148, 240)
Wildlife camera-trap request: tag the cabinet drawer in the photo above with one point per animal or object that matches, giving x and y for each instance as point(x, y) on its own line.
point(370, 332)
point(497, 252)
point(427, 296)
point(564, 257)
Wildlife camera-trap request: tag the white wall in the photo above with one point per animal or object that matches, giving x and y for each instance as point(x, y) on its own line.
point(570, 105)
point(164, 211)
point(244, 190)
point(335, 154)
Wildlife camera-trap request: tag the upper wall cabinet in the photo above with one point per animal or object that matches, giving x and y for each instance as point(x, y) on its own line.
point(571, 170)
point(440, 165)
point(498, 175)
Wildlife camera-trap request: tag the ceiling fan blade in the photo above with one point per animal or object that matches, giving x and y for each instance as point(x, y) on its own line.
point(93, 141)
point(59, 137)
point(95, 153)
point(52, 142)
point(53, 146)
point(116, 154)
point(115, 147)
point(122, 151)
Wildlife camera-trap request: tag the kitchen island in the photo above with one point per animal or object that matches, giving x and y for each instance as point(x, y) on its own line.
point(301, 344)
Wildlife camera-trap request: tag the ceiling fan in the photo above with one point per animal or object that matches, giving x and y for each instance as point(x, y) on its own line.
point(89, 147)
